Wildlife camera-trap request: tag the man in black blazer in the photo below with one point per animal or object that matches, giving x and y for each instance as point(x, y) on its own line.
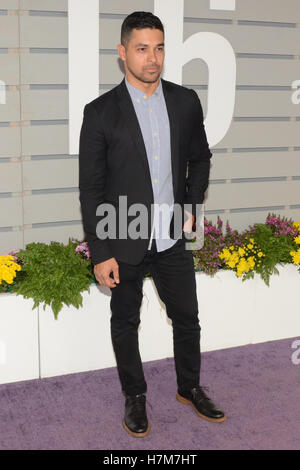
point(145, 141)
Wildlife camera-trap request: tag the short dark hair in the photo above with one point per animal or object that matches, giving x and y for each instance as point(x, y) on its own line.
point(139, 20)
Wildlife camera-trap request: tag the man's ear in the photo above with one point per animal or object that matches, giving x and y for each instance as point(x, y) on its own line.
point(121, 51)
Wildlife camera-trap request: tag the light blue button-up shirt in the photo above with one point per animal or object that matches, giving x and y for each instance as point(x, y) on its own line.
point(153, 119)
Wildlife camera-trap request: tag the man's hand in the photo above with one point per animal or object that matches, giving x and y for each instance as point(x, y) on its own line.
point(189, 224)
point(102, 272)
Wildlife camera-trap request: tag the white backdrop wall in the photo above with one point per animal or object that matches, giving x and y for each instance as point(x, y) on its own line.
point(255, 166)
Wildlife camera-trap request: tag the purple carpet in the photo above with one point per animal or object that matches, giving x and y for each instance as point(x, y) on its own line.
point(258, 387)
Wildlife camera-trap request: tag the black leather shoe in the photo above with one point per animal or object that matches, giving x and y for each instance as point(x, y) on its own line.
point(135, 420)
point(202, 404)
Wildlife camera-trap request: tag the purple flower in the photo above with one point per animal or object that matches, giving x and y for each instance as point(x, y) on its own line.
point(12, 252)
point(84, 249)
point(281, 226)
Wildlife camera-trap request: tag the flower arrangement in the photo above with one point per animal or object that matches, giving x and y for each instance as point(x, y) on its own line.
point(55, 274)
point(257, 249)
point(207, 258)
point(52, 274)
point(243, 259)
point(8, 269)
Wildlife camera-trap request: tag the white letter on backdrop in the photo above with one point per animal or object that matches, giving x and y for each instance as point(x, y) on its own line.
point(217, 53)
point(83, 23)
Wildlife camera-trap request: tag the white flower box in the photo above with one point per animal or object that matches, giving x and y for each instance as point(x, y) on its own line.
point(232, 313)
point(19, 339)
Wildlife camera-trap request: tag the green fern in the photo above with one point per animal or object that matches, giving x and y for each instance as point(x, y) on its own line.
point(52, 274)
point(276, 249)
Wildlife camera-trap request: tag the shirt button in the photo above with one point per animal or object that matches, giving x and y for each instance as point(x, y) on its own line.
point(145, 96)
point(150, 110)
point(154, 133)
point(156, 157)
point(155, 181)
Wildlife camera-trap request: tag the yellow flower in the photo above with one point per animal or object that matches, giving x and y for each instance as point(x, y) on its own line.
point(296, 256)
point(5, 258)
point(231, 247)
point(297, 240)
point(241, 251)
point(8, 269)
point(250, 246)
point(231, 263)
point(260, 254)
point(242, 267)
point(225, 254)
point(233, 258)
point(252, 240)
point(296, 225)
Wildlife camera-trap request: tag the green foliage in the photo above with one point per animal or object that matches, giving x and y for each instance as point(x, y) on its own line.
point(54, 274)
point(276, 249)
point(274, 242)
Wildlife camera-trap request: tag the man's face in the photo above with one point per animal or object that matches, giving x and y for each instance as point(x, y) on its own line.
point(144, 55)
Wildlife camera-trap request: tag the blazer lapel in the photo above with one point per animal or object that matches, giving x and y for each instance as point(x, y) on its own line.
point(172, 108)
point(132, 123)
point(131, 120)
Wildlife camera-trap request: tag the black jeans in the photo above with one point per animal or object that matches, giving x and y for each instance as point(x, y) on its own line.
point(173, 273)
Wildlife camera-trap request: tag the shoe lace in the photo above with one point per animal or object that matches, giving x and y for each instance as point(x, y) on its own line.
point(199, 392)
point(139, 403)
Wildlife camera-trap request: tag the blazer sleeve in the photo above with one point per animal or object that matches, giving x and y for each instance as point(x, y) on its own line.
point(92, 179)
point(198, 159)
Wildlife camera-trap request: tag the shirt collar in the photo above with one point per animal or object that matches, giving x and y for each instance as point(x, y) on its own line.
point(137, 94)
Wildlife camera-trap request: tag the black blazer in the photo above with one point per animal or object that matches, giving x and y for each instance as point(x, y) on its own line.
point(113, 162)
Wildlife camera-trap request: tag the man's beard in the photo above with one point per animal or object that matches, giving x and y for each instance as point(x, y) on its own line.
point(145, 79)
